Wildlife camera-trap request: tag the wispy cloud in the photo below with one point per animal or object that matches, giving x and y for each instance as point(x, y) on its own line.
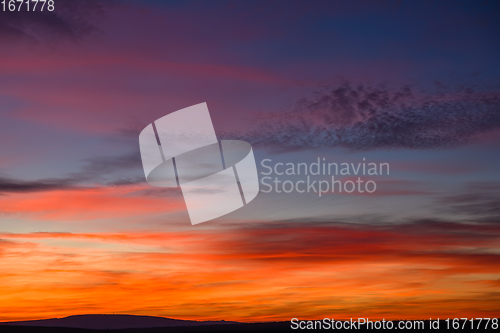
point(12, 185)
point(89, 203)
point(72, 20)
point(478, 201)
point(96, 172)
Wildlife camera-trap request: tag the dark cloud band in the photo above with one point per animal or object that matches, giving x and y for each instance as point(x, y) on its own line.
point(369, 118)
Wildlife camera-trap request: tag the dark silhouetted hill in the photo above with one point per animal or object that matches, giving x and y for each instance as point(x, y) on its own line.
point(107, 322)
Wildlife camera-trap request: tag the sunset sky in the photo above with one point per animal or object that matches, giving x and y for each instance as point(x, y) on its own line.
point(410, 83)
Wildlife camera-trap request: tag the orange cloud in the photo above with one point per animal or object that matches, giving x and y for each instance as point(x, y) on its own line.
point(262, 271)
point(91, 203)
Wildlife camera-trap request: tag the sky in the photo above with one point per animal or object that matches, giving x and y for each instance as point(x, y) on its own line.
point(412, 84)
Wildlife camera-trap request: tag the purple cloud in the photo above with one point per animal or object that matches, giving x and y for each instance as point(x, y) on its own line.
point(365, 117)
point(72, 20)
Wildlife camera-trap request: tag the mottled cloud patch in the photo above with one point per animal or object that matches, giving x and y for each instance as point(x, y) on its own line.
point(363, 117)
